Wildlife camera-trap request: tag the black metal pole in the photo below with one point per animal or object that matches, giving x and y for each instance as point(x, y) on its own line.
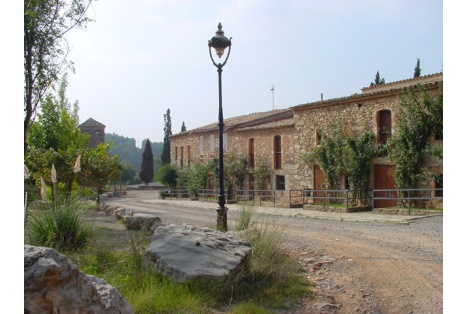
point(222, 210)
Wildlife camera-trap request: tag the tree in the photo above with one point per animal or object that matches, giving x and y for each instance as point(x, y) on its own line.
point(167, 175)
point(98, 167)
point(419, 116)
point(183, 128)
point(378, 80)
point(147, 170)
point(166, 151)
point(45, 48)
point(417, 70)
point(56, 139)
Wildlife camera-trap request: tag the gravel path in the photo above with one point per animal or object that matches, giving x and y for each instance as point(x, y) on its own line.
point(357, 267)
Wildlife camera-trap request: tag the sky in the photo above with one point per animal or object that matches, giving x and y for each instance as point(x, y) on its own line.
point(140, 58)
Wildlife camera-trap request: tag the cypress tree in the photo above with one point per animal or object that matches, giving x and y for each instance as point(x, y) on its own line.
point(183, 128)
point(417, 70)
point(166, 151)
point(147, 171)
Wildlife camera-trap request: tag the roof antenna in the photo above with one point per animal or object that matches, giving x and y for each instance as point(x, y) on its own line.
point(273, 95)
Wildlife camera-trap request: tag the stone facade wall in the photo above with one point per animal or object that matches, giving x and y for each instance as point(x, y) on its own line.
point(357, 113)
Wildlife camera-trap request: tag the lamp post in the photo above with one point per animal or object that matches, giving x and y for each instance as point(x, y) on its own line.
point(220, 42)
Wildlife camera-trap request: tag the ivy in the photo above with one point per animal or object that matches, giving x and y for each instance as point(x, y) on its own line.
point(342, 152)
point(418, 117)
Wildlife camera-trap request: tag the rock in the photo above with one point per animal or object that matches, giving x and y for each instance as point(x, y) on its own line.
point(54, 284)
point(183, 252)
point(120, 212)
point(141, 221)
point(38, 204)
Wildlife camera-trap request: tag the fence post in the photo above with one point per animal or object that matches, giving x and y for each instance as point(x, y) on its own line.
point(409, 203)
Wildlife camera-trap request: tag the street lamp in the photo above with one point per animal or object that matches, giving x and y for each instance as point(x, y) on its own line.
point(220, 42)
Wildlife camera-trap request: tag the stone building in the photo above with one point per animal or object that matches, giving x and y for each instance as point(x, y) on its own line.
point(281, 137)
point(95, 130)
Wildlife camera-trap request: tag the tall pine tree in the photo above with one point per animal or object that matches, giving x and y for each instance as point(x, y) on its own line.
point(183, 128)
point(166, 151)
point(378, 80)
point(417, 70)
point(147, 171)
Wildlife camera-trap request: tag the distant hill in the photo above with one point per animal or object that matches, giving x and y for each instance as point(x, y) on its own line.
point(130, 154)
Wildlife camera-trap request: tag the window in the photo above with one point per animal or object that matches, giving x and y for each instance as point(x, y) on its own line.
point(201, 144)
point(176, 154)
point(277, 152)
point(181, 156)
point(318, 137)
point(280, 183)
point(225, 141)
point(188, 155)
point(384, 125)
point(251, 153)
point(212, 143)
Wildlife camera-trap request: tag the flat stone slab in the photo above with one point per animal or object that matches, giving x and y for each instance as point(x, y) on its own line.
point(183, 252)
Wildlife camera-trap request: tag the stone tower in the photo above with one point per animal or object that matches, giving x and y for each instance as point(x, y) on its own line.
point(96, 131)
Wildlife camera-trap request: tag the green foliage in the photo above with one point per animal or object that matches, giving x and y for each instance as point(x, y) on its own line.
point(46, 24)
point(419, 116)
point(357, 160)
point(183, 128)
point(261, 173)
point(167, 175)
point(166, 151)
point(342, 152)
point(244, 216)
point(128, 175)
point(98, 166)
point(417, 69)
point(147, 170)
point(236, 169)
point(55, 138)
point(378, 80)
point(60, 227)
point(329, 154)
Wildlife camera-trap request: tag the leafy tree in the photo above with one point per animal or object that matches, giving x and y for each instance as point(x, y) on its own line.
point(419, 116)
point(167, 175)
point(46, 23)
point(183, 128)
point(147, 171)
point(166, 151)
point(236, 169)
point(98, 167)
point(378, 80)
point(56, 139)
point(417, 70)
point(261, 173)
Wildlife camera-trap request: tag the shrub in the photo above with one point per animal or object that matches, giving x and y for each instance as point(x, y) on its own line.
point(60, 227)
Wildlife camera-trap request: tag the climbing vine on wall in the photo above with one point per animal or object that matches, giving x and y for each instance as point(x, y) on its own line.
point(418, 116)
point(343, 152)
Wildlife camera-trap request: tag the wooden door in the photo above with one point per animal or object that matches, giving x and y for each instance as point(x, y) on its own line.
point(383, 179)
point(318, 180)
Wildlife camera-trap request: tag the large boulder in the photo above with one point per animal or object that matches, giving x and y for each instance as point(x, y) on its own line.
point(183, 252)
point(140, 221)
point(54, 284)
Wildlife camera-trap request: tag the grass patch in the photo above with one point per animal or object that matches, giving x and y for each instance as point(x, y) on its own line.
point(271, 281)
point(59, 226)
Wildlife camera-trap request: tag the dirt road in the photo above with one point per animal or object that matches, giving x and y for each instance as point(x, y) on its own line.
point(358, 267)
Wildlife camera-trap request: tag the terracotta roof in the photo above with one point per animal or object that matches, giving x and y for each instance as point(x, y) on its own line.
point(370, 92)
point(92, 123)
point(250, 120)
point(271, 125)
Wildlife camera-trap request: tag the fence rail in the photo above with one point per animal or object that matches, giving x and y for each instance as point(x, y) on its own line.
point(407, 196)
point(299, 198)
